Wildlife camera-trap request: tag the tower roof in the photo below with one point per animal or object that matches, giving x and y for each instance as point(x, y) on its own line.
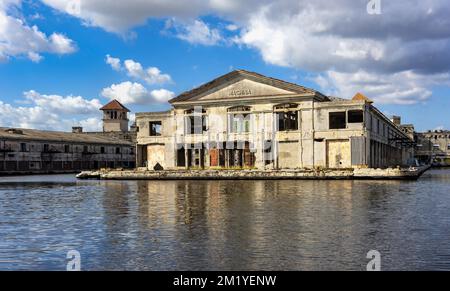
point(361, 97)
point(115, 105)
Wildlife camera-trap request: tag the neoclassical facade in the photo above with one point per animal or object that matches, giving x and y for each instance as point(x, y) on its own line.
point(244, 120)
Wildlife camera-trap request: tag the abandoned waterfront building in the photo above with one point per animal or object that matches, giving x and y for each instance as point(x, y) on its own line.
point(244, 120)
point(38, 151)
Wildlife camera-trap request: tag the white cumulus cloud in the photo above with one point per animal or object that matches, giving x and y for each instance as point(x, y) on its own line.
point(409, 39)
point(64, 105)
point(135, 93)
point(114, 63)
point(17, 38)
point(162, 95)
point(196, 32)
point(151, 75)
point(51, 112)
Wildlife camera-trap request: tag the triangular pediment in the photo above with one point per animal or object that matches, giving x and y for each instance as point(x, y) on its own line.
point(242, 88)
point(242, 84)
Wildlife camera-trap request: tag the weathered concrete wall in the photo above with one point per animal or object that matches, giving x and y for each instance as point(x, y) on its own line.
point(434, 147)
point(155, 154)
point(48, 156)
point(384, 174)
point(312, 145)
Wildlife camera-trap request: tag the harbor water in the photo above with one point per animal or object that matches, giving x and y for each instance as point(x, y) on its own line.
point(225, 225)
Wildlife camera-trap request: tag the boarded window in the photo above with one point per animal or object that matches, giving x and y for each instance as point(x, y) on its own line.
point(155, 128)
point(337, 120)
point(355, 116)
point(358, 149)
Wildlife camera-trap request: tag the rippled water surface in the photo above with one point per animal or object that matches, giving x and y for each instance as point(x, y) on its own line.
point(224, 225)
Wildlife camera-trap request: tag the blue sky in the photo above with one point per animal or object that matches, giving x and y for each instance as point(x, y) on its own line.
point(55, 82)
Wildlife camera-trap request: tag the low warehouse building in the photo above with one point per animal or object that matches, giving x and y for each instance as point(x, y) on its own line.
point(37, 151)
point(244, 120)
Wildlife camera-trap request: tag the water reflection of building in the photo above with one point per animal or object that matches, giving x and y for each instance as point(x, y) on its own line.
point(246, 120)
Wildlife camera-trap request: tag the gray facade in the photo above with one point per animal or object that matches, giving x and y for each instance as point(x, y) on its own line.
point(33, 151)
point(433, 147)
point(27, 151)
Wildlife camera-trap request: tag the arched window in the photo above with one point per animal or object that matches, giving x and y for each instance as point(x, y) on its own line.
point(286, 106)
point(239, 119)
point(239, 109)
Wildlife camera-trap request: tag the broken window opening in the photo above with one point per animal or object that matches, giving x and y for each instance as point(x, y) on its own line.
point(355, 116)
point(155, 128)
point(181, 158)
point(337, 120)
point(196, 124)
point(287, 120)
point(286, 116)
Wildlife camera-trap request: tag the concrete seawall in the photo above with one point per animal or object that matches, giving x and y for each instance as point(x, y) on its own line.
point(381, 174)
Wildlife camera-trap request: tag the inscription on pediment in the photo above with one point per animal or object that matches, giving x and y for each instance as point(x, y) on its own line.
point(240, 92)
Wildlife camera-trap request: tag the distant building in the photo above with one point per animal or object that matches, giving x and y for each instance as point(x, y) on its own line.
point(115, 117)
point(433, 147)
point(244, 120)
point(115, 123)
point(39, 151)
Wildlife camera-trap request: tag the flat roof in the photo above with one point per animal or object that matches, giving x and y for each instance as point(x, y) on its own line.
point(26, 134)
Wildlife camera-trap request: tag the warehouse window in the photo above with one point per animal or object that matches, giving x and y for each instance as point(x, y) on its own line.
point(155, 128)
point(355, 116)
point(337, 120)
point(66, 148)
point(102, 150)
point(117, 150)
